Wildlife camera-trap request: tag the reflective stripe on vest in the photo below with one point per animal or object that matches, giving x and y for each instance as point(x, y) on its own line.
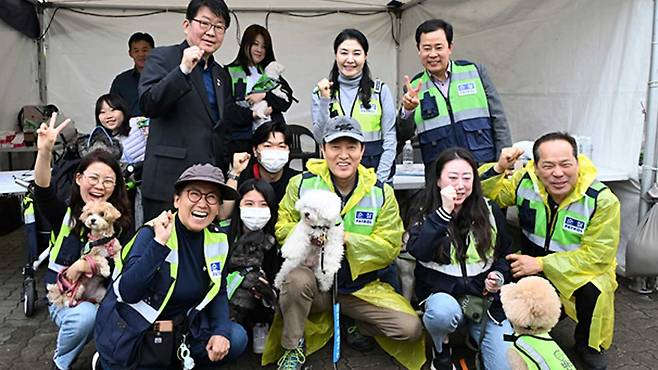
point(542, 353)
point(362, 217)
point(237, 74)
point(369, 119)
point(28, 210)
point(215, 253)
point(466, 94)
point(64, 231)
point(474, 265)
point(570, 222)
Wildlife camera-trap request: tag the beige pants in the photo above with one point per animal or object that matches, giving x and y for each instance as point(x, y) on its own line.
point(300, 296)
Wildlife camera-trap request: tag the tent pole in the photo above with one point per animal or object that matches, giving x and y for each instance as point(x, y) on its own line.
point(651, 120)
point(41, 60)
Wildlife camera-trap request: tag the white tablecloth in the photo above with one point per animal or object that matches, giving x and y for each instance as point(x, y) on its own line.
point(8, 179)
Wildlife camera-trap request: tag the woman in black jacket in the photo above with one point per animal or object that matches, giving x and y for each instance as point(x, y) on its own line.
point(460, 244)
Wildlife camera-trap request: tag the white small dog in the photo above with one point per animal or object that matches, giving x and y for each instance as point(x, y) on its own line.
point(317, 240)
point(273, 71)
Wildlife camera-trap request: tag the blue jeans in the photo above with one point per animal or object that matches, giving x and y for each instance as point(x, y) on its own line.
point(442, 317)
point(76, 327)
point(237, 337)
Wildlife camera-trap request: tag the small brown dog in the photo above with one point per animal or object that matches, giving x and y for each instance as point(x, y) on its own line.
point(99, 218)
point(533, 308)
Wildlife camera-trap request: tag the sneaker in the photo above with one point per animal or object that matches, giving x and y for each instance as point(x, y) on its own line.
point(95, 362)
point(358, 341)
point(441, 360)
point(593, 359)
point(293, 359)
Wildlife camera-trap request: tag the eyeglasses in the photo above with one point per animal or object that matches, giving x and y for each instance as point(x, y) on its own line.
point(206, 26)
point(194, 196)
point(94, 179)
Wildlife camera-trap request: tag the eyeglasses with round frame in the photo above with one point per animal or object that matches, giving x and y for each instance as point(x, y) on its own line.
point(195, 196)
point(93, 180)
point(218, 28)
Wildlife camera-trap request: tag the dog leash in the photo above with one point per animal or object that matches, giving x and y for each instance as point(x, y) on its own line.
point(336, 309)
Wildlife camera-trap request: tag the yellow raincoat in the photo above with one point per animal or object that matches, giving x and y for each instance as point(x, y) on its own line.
point(364, 253)
point(595, 260)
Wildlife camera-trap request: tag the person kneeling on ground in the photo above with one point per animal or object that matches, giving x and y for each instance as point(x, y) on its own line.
point(570, 223)
point(460, 244)
point(169, 291)
point(373, 231)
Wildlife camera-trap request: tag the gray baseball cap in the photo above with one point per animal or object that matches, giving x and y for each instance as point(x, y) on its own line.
point(342, 126)
point(208, 173)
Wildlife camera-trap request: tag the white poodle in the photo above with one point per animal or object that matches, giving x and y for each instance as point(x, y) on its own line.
point(317, 240)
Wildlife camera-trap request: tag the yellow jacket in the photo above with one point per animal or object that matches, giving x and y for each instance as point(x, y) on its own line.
point(595, 260)
point(364, 253)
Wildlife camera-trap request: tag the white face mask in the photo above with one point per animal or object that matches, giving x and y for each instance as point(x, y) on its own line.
point(273, 160)
point(254, 218)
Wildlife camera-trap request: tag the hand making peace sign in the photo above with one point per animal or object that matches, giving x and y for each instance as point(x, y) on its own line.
point(47, 134)
point(410, 99)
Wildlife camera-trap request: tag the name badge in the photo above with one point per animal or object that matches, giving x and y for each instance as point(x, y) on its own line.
point(366, 218)
point(574, 225)
point(466, 88)
point(216, 269)
point(372, 109)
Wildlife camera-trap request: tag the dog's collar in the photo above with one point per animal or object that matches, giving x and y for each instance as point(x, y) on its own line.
point(101, 241)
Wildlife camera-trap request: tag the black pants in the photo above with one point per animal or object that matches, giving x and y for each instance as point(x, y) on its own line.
point(586, 297)
point(152, 208)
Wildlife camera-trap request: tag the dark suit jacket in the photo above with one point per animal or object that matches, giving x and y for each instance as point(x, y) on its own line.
point(182, 131)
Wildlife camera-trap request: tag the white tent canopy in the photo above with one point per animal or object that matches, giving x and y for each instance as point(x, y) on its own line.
point(558, 65)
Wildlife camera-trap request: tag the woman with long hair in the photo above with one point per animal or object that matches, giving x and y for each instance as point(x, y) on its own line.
point(97, 178)
point(351, 91)
point(255, 53)
point(111, 113)
point(459, 241)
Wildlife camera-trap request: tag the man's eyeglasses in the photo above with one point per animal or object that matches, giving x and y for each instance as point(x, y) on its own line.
point(194, 196)
point(219, 28)
point(94, 179)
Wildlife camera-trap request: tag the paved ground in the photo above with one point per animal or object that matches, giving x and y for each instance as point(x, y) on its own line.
point(28, 343)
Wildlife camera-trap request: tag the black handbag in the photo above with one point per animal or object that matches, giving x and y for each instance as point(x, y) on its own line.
point(160, 343)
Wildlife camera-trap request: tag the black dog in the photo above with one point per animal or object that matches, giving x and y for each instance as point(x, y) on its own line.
point(247, 259)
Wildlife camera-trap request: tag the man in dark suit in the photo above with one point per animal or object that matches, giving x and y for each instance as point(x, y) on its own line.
point(185, 93)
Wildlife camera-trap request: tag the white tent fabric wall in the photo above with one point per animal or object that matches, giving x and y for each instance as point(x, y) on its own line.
point(18, 75)
point(579, 66)
point(86, 52)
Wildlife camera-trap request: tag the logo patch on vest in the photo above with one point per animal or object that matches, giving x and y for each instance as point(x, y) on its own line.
point(373, 109)
point(466, 88)
point(366, 218)
point(574, 225)
point(216, 269)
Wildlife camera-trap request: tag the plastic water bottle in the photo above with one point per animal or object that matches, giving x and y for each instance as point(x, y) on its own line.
point(407, 156)
point(260, 333)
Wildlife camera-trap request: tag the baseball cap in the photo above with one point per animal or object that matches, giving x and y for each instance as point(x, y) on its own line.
point(342, 126)
point(208, 173)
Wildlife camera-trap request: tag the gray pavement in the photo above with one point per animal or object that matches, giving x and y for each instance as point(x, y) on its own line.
point(28, 343)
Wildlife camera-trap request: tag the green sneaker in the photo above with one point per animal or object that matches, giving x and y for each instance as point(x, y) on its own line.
point(293, 359)
point(358, 341)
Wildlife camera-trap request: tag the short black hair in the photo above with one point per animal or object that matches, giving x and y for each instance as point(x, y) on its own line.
point(552, 136)
point(218, 7)
point(141, 36)
point(264, 131)
point(432, 25)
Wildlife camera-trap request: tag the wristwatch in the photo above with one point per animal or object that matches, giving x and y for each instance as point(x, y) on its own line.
point(232, 176)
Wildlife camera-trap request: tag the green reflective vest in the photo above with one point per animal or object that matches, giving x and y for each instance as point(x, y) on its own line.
point(56, 243)
point(473, 263)
point(369, 119)
point(215, 247)
point(466, 99)
point(362, 217)
point(540, 352)
point(560, 231)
